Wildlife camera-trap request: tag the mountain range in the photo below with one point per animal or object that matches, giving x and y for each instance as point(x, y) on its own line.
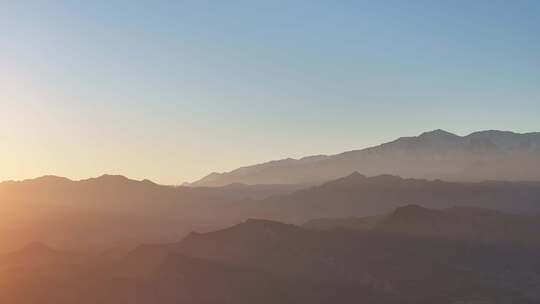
point(263, 261)
point(115, 212)
point(484, 155)
point(456, 223)
point(436, 218)
point(112, 210)
point(359, 195)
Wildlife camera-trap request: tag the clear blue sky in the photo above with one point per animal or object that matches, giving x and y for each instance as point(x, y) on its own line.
point(172, 90)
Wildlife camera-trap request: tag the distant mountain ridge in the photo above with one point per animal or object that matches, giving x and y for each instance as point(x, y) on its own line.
point(73, 214)
point(484, 155)
point(357, 195)
point(68, 213)
point(455, 223)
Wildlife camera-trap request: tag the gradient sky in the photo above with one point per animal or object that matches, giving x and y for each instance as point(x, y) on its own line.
point(173, 90)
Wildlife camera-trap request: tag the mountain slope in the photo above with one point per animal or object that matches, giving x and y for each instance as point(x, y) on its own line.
point(485, 155)
point(455, 223)
point(111, 210)
point(261, 261)
point(412, 270)
point(462, 223)
point(357, 195)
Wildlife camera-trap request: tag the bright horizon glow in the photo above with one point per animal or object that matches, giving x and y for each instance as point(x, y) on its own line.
point(172, 91)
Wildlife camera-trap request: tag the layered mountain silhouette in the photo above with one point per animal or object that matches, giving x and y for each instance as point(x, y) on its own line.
point(112, 210)
point(312, 230)
point(116, 212)
point(261, 261)
point(485, 155)
point(464, 223)
point(455, 223)
point(116, 193)
point(359, 195)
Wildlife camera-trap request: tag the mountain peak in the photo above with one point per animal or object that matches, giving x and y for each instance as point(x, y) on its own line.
point(253, 226)
point(436, 154)
point(491, 133)
point(352, 177)
point(413, 211)
point(50, 179)
point(112, 177)
point(356, 174)
point(109, 179)
point(259, 231)
point(356, 178)
point(438, 133)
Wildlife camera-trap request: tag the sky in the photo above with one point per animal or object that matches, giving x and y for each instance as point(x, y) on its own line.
point(174, 90)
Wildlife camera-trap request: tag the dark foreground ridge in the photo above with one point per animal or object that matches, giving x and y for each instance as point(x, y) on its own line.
point(262, 261)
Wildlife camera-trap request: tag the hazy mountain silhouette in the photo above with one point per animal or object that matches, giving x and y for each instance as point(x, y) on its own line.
point(464, 223)
point(260, 244)
point(456, 223)
point(112, 210)
point(411, 270)
point(116, 193)
point(261, 261)
point(158, 274)
point(485, 155)
point(116, 212)
point(358, 195)
point(174, 277)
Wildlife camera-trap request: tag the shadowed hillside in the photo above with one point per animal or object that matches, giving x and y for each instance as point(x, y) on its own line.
point(261, 261)
point(455, 223)
point(358, 195)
